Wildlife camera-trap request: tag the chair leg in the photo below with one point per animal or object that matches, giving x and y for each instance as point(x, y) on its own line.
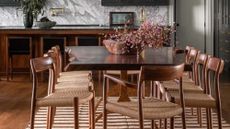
point(152, 124)
point(219, 114)
point(165, 123)
point(92, 115)
point(160, 123)
point(210, 117)
point(207, 118)
point(151, 89)
point(32, 117)
point(104, 118)
point(183, 119)
point(108, 86)
point(141, 124)
point(192, 111)
point(172, 123)
point(76, 119)
point(50, 117)
point(143, 90)
point(199, 116)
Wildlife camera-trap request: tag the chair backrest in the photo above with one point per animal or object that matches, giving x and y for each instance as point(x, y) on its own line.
point(214, 65)
point(200, 69)
point(161, 73)
point(158, 73)
point(39, 65)
point(57, 51)
point(191, 59)
point(54, 56)
point(192, 55)
point(187, 51)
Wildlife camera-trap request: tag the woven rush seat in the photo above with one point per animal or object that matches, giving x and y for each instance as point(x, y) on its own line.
point(65, 98)
point(152, 108)
point(75, 73)
point(76, 78)
point(117, 72)
point(77, 84)
point(187, 86)
point(194, 98)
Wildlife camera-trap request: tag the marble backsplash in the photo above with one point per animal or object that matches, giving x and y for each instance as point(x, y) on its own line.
point(85, 12)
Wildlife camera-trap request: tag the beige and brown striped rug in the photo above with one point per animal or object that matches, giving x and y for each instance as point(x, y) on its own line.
point(64, 120)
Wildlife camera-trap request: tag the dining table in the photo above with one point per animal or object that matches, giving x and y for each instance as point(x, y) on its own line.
point(99, 58)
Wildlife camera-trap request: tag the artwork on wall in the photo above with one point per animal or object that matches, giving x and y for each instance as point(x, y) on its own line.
point(134, 2)
point(9, 3)
point(121, 18)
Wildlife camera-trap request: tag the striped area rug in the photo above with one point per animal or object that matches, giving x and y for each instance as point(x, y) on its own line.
point(64, 120)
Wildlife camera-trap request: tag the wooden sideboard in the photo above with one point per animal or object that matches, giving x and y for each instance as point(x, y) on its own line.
point(70, 32)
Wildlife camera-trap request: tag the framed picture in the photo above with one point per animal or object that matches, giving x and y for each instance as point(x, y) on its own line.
point(9, 3)
point(121, 18)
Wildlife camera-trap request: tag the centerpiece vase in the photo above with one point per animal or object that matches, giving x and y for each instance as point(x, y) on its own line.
point(28, 19)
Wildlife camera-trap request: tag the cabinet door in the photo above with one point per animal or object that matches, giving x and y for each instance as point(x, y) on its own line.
point(222, 29)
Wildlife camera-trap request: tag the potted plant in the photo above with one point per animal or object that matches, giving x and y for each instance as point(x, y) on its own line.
point(31, 9)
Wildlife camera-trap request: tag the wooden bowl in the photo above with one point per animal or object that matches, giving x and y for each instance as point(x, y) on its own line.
point(114, 47)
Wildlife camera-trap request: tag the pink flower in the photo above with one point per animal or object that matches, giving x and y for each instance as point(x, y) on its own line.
point(148, 35)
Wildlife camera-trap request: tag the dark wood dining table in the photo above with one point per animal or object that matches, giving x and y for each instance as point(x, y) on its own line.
point(98, 58)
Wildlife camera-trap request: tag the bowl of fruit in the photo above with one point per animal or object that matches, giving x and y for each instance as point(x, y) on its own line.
point(45, 23)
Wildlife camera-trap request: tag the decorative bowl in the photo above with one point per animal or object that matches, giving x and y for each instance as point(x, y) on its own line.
point(45, 25)
point(114, 47)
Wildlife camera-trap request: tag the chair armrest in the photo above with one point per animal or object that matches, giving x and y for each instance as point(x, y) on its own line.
point(121, 81)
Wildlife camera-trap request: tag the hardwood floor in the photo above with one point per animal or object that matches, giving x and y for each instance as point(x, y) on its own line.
point(15, 100)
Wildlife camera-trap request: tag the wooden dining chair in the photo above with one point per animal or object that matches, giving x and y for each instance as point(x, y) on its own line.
point(190, 86)
point(190, 61)
point(199, 70)
point(68, 76)
point(74, 81)
point(68, 97)
point(149, 108)
point(210, 98)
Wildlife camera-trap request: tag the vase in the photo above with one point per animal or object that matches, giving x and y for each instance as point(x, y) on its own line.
point(28, 19)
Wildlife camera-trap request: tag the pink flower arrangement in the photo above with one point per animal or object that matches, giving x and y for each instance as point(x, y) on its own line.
point(148, 35)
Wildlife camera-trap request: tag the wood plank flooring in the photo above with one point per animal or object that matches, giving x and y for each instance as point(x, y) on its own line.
point(15, 100)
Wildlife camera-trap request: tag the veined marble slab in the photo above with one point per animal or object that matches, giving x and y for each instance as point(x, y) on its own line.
point(84, 12)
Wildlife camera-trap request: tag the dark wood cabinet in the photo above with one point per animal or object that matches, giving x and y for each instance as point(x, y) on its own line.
point(86, 36)
point(134, 2)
